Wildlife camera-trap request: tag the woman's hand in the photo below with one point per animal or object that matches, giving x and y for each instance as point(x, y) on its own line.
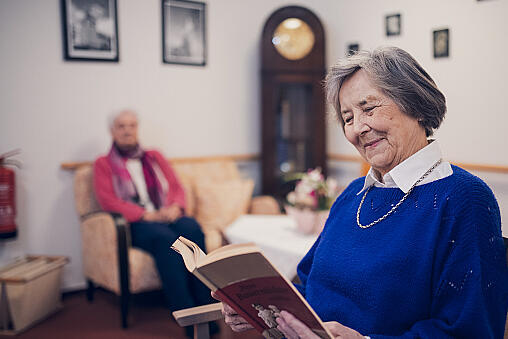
point(293, 328)
point(233, 319)
point(152, 216)
point(170, 213)
point(341, 331)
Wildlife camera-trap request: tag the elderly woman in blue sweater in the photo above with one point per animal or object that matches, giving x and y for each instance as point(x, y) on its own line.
point(414, 248)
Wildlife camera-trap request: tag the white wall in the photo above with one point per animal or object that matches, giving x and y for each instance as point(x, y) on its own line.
point(473, 78)
point(56, 111)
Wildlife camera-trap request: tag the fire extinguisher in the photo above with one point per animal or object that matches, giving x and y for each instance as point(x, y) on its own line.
point(8, 227)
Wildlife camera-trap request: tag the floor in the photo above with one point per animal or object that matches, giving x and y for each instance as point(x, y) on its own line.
point(148, 318)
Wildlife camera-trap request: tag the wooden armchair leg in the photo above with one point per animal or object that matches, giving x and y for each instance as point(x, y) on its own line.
point(199, 317)
point(124, 305)
point(123, 265)
point(201, 331)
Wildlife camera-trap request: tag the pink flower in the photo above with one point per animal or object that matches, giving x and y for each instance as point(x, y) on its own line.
point(313, 191)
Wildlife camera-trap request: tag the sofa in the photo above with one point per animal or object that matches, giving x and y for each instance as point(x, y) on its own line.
point(216, 195)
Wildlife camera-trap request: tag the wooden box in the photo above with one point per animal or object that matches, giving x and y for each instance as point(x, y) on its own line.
point(30, 291)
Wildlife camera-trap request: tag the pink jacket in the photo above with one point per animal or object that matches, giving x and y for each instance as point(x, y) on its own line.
point(105, 194)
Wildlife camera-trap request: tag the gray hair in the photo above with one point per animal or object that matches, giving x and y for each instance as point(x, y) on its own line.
point(112, 118)
point(399, 76)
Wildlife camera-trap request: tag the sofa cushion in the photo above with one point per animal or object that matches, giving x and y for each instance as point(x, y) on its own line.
point(190, 200)
point(220, 203)
point(215, 170)
point(191, 172)
point(213, 240)
point(264, 204)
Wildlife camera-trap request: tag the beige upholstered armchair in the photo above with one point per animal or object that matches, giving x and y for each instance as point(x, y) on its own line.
point(216, 194)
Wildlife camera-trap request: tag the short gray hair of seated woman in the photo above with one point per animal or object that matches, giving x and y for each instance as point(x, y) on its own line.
point(399, 76)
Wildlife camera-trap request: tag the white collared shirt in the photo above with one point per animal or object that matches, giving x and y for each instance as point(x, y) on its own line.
point(135, 168)
point(405, 174)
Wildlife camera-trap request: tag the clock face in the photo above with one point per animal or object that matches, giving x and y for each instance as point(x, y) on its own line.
point(293, 39)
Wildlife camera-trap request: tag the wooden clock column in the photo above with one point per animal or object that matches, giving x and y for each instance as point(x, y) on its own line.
point(293, 104)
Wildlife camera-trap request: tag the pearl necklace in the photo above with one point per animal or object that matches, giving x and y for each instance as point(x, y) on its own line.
point(398, 204)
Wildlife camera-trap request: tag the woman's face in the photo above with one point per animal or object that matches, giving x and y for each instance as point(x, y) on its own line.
point(375, 125)
point(125, 130)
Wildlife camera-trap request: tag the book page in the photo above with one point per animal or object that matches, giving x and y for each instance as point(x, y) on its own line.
point(197, 251)
point(228, 251)
point(186, 253)
point(236, 268)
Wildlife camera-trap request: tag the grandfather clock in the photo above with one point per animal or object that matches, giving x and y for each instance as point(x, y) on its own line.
point(293, 104)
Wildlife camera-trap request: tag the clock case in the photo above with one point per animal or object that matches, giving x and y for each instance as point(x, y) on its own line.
point(293, 106)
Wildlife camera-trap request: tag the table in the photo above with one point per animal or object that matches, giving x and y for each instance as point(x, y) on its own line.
point(276, 236)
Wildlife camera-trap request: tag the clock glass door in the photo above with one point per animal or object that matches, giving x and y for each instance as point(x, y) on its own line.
point(294, 130)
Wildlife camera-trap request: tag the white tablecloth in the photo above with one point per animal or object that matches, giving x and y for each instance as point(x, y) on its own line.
point(276, 236)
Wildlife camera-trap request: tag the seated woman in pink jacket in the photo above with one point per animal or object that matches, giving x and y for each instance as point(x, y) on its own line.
point(141, 185)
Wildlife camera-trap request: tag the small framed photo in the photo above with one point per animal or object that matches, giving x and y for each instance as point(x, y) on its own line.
point(393, 25)
point(441, 43)
point(183, 32)
point(90, 30)
point(352, 49)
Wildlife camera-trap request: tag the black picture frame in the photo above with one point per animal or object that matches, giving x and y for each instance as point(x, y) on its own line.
point(184, 32)
point(352, 48)
point(393, 24)
point(90, 30)
point(441, 43)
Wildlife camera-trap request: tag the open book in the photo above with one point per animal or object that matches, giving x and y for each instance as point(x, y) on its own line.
point(243, 278)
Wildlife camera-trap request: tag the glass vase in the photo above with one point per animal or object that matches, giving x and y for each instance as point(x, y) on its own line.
point(307, 220)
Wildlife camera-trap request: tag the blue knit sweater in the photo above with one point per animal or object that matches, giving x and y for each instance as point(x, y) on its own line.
point(436, 268)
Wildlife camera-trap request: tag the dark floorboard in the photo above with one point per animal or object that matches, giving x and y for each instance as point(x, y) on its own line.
point(148, 318)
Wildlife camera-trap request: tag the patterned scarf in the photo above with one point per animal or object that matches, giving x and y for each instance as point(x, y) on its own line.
point(156, 183)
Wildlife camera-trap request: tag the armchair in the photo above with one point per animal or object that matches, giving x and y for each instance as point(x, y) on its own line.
point(199, 317)
point(108, 258)
point(111, 262)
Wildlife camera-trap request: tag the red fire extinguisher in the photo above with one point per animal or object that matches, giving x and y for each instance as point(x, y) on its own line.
point(7, 196)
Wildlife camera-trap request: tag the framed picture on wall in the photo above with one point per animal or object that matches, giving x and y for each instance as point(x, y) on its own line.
point(441, 43)
point(90, 30)
point(392, 25)
point(183, 32)
point(352, 48)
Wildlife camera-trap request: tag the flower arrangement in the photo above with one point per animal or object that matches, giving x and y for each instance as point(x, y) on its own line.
point(312, 191)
